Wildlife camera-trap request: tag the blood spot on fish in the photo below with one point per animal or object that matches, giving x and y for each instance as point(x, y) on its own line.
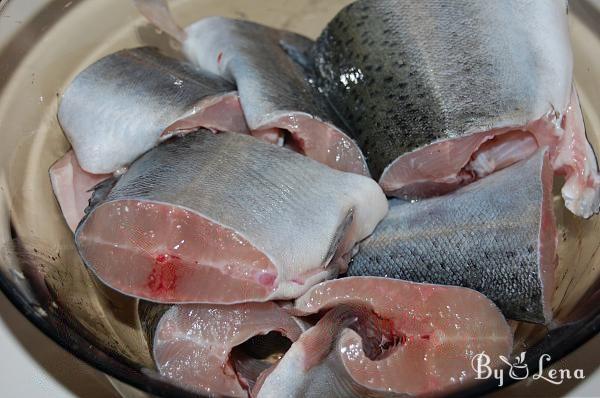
point(266, 279)
point(392, 336)
point(163, 277)
point(220, 57)
point(425, 336)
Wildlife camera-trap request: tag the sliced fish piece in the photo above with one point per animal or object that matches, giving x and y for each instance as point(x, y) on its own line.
point(214, 349)
point(274, 90)
point(439, 93)
point(385, 337)
point(496, 235)
point(72, 187)
point(272, 71)
point(226, 218)
point(127, 102)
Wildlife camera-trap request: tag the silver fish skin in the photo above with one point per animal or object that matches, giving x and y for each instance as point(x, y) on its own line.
point(226, 218)
point(125, 103)
point(496, 235)
point(272, 72)
point(426, 85)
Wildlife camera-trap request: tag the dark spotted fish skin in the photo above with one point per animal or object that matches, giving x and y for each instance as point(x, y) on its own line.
point(406, 73)
point(485, 236)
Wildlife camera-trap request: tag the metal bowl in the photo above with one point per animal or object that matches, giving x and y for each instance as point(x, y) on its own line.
point(44, 44)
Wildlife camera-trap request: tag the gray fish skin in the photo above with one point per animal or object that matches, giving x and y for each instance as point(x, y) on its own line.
point(496, 236)
point(405, 74)
point(305, 217)
point(272, 72)
point(118, 107)
point(253, 58)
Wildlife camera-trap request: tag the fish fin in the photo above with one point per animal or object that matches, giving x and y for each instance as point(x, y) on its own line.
point(158, 13)
point(299, 49)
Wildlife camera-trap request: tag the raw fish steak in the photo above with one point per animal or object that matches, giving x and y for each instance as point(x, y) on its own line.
point(127, 102)
point(72, 187)
point(387, 338)
point(195, 345)
point(226, 218)
point(439, 93)
point(496, 235)
point(272, 71)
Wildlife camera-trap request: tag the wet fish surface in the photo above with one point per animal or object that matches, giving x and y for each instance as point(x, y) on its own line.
point(496, 235)
point(272, 70)
point(439, 94)
point(226, 218)
point(127, 102)
point(274, 89)
point(383, 337)
point(198, 346)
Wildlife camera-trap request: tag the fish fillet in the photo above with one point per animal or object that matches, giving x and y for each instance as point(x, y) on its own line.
point(496, 235)
point(439, 94)
point(127, 102)
point(226, 218)
point(387, 338)
point(193, 343)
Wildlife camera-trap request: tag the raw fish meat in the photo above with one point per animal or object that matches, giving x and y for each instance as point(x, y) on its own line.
point(127, 102)
point(440, 93)
point(496, 235)
point(226, 218)
point(406, 339)
point(195, 345)
point(272, 71)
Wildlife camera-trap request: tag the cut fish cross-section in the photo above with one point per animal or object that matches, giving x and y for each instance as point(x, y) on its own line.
point(274, 74)
point(440, 93)
point(227, 218)
point(406, 339)
point(195, 345)
point(497, 235)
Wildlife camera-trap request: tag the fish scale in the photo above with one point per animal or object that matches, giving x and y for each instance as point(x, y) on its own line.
point(273, 73)
point(438, 94)
point(266, 221)
point(487, 236)
point(119, 106)
point(428, 71)
point(252, 55)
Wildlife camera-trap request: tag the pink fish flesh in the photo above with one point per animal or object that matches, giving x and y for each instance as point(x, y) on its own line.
point(407, 339)
point(193, 344)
